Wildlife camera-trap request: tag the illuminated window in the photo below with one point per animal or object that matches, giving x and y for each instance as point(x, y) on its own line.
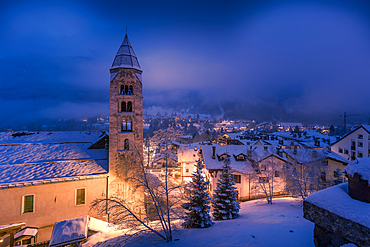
point(263, 179)
point(80, 196)
point(28, 203)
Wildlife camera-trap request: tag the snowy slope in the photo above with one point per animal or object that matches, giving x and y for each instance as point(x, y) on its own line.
point(259, 224)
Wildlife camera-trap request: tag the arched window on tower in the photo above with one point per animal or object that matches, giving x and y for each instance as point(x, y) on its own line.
point(129, 125)
point(122, 92)
point(129, 106)
point(124, 125)
point(126, 145)
point(123, 106)
point(126, 90)
point(131, 90)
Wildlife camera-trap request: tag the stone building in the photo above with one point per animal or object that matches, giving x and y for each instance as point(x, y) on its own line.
point(125, 119)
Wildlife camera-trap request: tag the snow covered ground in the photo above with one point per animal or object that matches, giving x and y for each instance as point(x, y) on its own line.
point(259, 224)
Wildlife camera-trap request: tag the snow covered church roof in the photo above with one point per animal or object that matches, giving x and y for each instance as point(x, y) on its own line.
point(47, 157)
point(126, 57)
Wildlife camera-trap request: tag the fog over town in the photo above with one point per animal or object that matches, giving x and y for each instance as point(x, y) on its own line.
point(300, 61)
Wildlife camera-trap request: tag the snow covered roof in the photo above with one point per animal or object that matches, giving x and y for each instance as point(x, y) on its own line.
point(238, 166)
point(69, 231)
point(28, 231)
point(49, 157)
point(126, 57)
point(75, 230)
point(337, 200)
point(361, 167)
point(187, 155)
point(10, 227)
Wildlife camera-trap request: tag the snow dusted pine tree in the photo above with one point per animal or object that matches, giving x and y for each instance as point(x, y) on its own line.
point(197, 215)
point(224, 202)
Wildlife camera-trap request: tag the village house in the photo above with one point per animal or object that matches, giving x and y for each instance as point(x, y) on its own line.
point(49, 176)
point(249, 166)
point(355, 144)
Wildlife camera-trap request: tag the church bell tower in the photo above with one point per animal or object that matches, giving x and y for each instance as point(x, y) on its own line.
point(125, 115)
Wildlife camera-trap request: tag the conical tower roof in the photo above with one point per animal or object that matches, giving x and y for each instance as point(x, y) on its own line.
point(125, 57)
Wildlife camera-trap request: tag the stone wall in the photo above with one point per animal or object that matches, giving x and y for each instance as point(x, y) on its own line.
point(333, 230)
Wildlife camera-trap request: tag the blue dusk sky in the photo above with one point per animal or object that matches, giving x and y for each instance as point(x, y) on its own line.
point(266, 60)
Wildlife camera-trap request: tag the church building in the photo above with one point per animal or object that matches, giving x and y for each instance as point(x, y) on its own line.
point(125, 118)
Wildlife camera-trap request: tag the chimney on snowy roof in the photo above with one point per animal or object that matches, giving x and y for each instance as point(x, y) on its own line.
point(213, 152)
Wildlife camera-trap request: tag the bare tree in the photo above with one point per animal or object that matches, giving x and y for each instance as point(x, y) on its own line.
point(160, 200)
point(306, 172)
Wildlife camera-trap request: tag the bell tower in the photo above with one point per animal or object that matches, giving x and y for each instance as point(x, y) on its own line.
point(125, 117)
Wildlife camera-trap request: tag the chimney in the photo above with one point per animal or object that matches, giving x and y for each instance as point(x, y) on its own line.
point(213, 152)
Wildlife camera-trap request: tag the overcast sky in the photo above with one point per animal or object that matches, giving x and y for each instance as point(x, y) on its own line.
point(289, 60)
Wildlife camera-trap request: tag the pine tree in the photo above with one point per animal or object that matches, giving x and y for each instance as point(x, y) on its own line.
point(197, 215)
point(224, 202)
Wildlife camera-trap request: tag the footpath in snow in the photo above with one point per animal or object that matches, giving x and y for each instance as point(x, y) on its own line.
point(259, 224)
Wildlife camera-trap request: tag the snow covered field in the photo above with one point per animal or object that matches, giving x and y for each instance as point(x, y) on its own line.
point(259, 224)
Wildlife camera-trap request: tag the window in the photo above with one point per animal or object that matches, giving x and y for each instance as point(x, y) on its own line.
point(360, 136)
point(353, 156)
point(129, 125)
point(263, 168)
point(122, 90)
point(277, 174)
point(126, 90)
point(263, 179)
point(187, 169)
point(360, 144)
point(123, 106)
point(345, 151)
point(340, 150)
point(28, 203)
point(80, 196)
point(130, 90)
point(126, 145)
point(129, 106)
point(265, 148)
point(360, 155)
point(124, 126)
point(323, 176)
point(237, 179)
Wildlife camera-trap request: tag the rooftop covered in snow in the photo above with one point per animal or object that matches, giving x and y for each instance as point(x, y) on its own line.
point(47, 157)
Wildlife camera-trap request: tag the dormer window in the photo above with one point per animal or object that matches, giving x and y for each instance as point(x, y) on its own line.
point(240, 157)
point(223, 156)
